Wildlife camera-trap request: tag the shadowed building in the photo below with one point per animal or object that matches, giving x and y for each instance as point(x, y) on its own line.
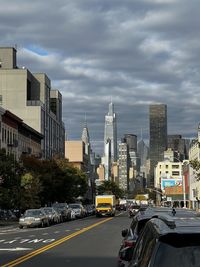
point(158, 136)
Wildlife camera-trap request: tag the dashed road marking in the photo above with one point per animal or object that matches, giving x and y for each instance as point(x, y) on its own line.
point(14, 249)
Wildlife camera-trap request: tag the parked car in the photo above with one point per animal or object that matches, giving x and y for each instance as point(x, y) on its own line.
point(133, 209)
point(64, 210)
point(168, 241)
point(131, 235)
point(78, 209)
point(52, 214)
point(34, 218)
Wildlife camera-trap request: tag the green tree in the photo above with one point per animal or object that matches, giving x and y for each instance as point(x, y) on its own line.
point(59, 180)
point(110, 187)
point(10, 175)
point(30, 189)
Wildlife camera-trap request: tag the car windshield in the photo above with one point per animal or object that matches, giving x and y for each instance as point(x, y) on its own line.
point(32, 213)
point(59, 205)
point(48, 210)
point(178, 250)
point(103, 205)
point(74, 206)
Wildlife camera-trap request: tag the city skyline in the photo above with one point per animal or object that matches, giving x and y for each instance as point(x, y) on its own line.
point(137, 52)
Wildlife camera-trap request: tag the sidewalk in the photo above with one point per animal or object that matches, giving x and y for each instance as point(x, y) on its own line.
point(7, 224)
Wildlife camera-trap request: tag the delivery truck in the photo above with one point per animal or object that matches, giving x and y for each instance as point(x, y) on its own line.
point(105, 205)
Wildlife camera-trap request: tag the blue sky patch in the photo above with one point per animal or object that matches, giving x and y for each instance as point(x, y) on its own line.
point(38, 50)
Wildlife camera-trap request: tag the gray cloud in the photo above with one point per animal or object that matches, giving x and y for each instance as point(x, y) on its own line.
point(137, 52)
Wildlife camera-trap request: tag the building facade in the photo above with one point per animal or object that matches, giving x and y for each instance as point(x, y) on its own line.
point(18, 138)
point(179, 146)
point(158, 136)
point(194, 154)
point(123, 166)
point(30, 97)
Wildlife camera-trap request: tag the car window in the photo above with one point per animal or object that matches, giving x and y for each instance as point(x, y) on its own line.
point(144, 248)
point(178, 250)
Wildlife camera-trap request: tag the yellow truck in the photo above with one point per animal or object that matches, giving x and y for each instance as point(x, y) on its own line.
point(105, 205)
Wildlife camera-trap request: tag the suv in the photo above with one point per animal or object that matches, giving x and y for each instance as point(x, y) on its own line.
point(131, 235)
point(168, 241)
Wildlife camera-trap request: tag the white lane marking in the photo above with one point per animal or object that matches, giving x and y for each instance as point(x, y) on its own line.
point(30, 236)
point(14, 249)
point(56, 232)
point(77, 229)
point(67, 230)
point(45, 234)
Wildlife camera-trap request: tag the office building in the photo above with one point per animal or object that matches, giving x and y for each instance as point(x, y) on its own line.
point(179, 146)
point(158, 136)
point(124, 164)
point(30, 97)
point(110, 132)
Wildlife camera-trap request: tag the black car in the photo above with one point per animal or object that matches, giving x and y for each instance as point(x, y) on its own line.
point(131, 235)
point(168, 241)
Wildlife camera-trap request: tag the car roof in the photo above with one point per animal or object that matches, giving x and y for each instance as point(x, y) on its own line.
point(165, 224)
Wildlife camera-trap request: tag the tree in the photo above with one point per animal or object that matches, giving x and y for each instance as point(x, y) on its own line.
point(30, 189)
point(195, 164)
point(10, 173)
point(110, 187)
point(59, 180)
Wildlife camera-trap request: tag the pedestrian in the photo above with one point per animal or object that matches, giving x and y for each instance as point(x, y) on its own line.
point(173, 211)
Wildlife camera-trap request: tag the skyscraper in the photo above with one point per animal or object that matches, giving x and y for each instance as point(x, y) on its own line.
point(111, 132)
point(86, 139)
point(158, 136)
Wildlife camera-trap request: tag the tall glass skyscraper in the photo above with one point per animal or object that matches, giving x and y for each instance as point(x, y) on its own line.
point(158, 136)
point(110, 132)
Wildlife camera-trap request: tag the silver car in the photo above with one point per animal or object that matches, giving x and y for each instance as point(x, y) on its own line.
point(34, 218)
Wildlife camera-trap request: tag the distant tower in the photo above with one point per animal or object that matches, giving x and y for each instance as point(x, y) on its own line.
point(158, 136)
point(111, 132)
point(86, 138)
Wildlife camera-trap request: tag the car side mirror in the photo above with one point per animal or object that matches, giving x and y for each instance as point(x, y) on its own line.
point(124, 232)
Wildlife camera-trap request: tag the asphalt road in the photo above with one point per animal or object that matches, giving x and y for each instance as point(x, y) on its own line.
point(86, 242)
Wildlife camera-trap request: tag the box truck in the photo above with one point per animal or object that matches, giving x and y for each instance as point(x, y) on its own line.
point(105, 205)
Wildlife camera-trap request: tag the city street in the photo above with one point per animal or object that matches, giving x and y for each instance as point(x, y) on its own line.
point(86, 242)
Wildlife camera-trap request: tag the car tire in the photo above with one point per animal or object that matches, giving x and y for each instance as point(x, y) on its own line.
point(21, 227)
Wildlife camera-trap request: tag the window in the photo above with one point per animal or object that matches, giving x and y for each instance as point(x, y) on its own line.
point(1, 100)
point(175, 166)
point(166, 166)
point(175, 173)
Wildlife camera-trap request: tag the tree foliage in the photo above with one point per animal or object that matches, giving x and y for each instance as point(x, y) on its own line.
point(10, 172)
point(59, 180)
point(110, 187)
point(195, 164)
point(31, 182)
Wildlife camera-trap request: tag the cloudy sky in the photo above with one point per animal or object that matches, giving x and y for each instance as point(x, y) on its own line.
point(136, 52)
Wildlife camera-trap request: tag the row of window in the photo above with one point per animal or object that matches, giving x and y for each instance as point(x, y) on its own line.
point(172, 166)
point(174, 173)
